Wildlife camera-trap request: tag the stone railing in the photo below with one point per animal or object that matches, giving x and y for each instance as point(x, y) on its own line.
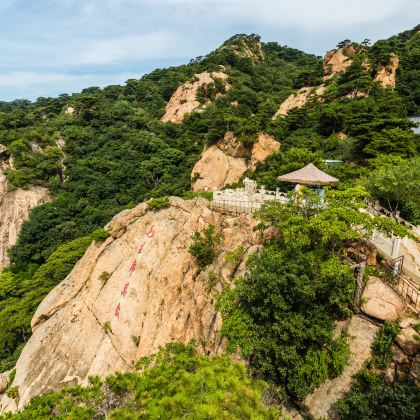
point(377, 210)
point(242, 201)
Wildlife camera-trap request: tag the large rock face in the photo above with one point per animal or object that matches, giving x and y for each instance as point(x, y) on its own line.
point(337, 61)
point(184, 100)
point(361, 334)
point(226, 161)
point(386, 75)
point(129, 295)
point(380, 301)
point(14, 210)
point(299, 99)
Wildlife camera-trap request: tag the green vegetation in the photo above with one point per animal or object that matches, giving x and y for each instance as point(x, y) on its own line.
point(20, 295)
point(159, 203)
point(116, 153)
point(104, 276)
point(176, 383)
point(371, 398)
point(382, 346)
point(281, 313)
point(204, 246)
point(100, 234)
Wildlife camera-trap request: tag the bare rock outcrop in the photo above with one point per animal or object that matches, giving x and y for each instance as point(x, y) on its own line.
point(386, 75)
point(361, 334)
point(380, 301)
point(408, 340)
point(3, 150)
point(226, 161)
point(14, 210)
point(337, 61)
point(128, 295)
point(184, 100)
point(299, 99)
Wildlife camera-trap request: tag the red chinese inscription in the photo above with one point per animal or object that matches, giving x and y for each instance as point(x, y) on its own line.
point(117, 311)
point(141, 248)
point(133, 267)
point(151, 232)
point(124, 290)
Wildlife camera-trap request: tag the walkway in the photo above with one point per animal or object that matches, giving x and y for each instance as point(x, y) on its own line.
point(250, 198)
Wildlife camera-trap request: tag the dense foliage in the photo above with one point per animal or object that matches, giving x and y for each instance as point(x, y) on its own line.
point(20, 295)
point(105, 150)
point(371, 398)
point(177, 383)
point(204, 246)
point(382, 345)
point(281, 313)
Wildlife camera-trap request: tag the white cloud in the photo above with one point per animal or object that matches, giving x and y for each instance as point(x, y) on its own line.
point(150, 46)
point(63, 45)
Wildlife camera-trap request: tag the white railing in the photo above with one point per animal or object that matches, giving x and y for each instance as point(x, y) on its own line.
point(242, 201)
point(377, 210)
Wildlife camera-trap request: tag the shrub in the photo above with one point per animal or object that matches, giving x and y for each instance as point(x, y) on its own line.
point(107, 327)
point(104, 276)
point(159, 203)
point(100, 234)
point(189, 195)
point(13, 393)
point(173, 384)
point(370, 397)
point(204, 246)
point(382, 345)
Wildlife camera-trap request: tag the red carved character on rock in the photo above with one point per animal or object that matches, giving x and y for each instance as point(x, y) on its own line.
point(133, 267)
point(117, 311)
point(124, 290)
point(151, 232)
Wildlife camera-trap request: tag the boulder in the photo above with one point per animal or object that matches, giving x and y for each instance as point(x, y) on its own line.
point(380, 301)
point(415, 370)
point(151, 294)
point(399, 357)
point(215, 169)
point(389, 373)
point(226, 161)
point(4, 380)
point(408, 340)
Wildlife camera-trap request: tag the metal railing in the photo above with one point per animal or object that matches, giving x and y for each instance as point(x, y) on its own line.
point(402, 285)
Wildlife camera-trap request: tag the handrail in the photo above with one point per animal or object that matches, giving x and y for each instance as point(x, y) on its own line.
point(377, 209)
point(402, 285)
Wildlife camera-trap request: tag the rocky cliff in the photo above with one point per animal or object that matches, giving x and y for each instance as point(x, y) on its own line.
point(226, 161)
point(337, 60)
point(299, 99)
point(184, 100)
point(14, 210)
point(128, 295)
point(386, 75)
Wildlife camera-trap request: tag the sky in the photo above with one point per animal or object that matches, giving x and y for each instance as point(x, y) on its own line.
point(49, 47)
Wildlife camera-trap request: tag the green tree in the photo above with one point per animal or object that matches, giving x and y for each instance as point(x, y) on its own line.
point(281, 313)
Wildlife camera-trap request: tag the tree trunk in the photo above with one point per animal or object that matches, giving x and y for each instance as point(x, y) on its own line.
point(359, 286)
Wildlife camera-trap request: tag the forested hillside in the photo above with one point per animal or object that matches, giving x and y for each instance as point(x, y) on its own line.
point(105, 150)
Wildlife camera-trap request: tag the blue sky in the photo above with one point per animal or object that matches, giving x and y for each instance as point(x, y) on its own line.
point(48, 47)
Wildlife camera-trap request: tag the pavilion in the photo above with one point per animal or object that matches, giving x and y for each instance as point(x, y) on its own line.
point(308, 175)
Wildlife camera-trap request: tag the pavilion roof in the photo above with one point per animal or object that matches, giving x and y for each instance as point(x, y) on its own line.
point(309, 175)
